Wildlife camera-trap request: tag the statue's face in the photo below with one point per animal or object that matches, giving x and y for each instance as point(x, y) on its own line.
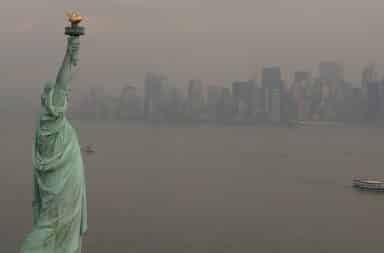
point(47, 89)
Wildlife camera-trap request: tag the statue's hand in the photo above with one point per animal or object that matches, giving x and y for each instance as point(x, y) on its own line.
point(73, 49)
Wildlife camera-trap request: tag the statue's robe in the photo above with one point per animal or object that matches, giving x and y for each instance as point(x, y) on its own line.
point(59, 196)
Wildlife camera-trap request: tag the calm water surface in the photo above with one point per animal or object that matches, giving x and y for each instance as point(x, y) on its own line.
point(212, 189)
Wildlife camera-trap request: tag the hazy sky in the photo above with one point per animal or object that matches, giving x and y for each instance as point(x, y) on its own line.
point(214, 40)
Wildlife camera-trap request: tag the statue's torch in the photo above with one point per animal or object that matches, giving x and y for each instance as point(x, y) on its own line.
point(74, 30)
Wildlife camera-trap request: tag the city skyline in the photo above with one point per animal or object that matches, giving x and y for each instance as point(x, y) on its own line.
point(215, 41)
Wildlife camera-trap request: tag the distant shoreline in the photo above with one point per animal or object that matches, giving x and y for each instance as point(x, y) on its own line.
point(301, 124)
point(11, 120)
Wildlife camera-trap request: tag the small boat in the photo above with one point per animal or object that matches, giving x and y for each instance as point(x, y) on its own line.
point(368, 184)
point(88, 150)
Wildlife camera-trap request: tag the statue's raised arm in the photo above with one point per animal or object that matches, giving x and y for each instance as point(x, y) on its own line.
point(69, 62)
point(59, 88)
point(55, 93)
point(71, 55)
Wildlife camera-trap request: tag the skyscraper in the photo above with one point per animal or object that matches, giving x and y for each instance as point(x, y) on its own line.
point(373, 93)
point(129, 105)
point(302, 76)
point(331, 71)
point(153, 96)
point(213, 97)
point(225, 106)
point(272, 87)
point(300, 92)
point(195, 102)
point(243, 92)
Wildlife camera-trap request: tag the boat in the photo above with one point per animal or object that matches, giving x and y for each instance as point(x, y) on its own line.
point(319, 124)
point(368, 184)
point(88, 150)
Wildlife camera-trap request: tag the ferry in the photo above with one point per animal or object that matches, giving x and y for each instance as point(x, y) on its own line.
point(368, 184)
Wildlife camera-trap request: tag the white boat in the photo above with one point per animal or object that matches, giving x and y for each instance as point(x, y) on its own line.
point(368, 184)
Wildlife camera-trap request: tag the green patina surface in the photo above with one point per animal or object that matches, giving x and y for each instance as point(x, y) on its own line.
point(59, 195)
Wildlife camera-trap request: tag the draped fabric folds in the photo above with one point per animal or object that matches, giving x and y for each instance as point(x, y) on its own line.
point(59, 196)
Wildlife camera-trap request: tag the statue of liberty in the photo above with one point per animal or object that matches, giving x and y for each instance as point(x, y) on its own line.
point(59, 194)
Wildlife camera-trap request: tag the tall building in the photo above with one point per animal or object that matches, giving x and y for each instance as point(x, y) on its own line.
point(243, 92)
point(225, 109)
point(369, 75)
point(374, 100)
point(153, 97)
point(195, 101)
point(302, 76)
point(129, 106)
point(257, 100)
point(331, 78)
point(100, 108)
point(173, 104)
point(272, 88)
point(213, 98)
point(331, 71)
point(300, 92)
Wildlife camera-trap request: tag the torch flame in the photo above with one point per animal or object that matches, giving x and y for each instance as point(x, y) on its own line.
point(74, 17)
